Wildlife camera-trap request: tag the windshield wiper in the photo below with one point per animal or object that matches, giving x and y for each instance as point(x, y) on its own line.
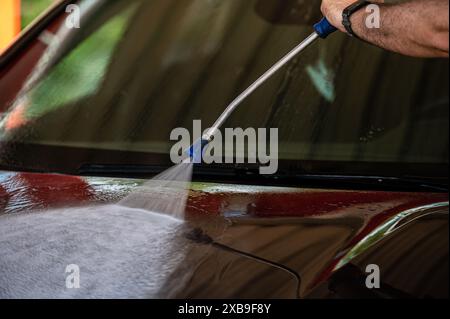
point(298, 178)
point(120, 170)
point(385, 182)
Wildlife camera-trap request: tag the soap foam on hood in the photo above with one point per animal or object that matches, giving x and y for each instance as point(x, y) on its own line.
point(121, 252)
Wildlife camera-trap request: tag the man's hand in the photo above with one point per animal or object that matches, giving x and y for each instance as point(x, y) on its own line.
point(333, 9)
point(417, 28)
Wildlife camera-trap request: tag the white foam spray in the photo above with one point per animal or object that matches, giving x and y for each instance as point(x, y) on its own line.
point(127, 250)
point(121, 252)
point(167, 193)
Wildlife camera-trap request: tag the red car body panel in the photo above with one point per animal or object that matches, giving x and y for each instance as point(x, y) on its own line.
point(210, 204)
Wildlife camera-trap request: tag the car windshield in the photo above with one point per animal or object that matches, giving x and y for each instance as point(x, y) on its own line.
point(111, 91)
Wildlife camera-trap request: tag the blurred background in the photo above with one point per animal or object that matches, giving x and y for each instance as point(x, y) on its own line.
point(15, 15)
point(31, 9)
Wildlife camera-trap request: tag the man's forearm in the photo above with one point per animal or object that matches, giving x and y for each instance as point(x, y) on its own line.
point(415, 28)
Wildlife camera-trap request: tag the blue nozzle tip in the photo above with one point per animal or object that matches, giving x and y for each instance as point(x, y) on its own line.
point(195, 152)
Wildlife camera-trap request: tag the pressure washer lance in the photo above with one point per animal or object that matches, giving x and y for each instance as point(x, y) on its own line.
point(322, 30)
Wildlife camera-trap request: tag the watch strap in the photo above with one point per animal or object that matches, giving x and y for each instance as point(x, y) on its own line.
point(349, 11)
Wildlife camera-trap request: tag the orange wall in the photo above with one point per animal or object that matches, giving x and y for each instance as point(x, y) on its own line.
point(9, 21)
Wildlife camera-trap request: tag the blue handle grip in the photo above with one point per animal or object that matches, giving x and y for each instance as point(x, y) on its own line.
point(324, 28)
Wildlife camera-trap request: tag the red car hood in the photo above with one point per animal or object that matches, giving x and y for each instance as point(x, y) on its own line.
point(262, 235)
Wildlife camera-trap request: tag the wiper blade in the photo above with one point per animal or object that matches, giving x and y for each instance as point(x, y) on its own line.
point(120, 170)
point(251, 175)
point(386, 182)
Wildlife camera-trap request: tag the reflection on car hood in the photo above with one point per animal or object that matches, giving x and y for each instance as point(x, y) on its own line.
point(250, 237)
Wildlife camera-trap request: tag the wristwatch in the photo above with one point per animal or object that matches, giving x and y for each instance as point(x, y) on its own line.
point(349, 11)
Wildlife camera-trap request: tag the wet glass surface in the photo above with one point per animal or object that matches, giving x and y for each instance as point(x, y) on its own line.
point(138, 69)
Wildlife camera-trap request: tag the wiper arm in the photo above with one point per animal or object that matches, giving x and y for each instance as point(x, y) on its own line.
point(384, 182)
point(118, 170)
point(250, 174)
point(440, 185)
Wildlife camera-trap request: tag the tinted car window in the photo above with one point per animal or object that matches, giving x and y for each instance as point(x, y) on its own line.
point(135, 70)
